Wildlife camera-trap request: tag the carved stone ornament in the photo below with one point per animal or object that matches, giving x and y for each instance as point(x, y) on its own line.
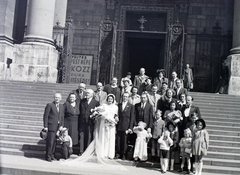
point(110, 4)
point(183, 7)
point(142, 20)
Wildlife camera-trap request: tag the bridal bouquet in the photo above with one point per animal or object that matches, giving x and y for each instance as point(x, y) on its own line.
point(96, 112)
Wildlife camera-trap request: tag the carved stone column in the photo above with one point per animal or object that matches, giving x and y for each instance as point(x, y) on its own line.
point(236, 28)
point(7, 8)
point(60, 12)
point(233, 61)
point(40, 22)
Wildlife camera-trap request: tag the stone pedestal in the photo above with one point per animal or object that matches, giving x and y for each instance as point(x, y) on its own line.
point(233, 63)
point(29, 63)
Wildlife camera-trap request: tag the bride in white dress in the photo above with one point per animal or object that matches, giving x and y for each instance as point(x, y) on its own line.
point(102, 148)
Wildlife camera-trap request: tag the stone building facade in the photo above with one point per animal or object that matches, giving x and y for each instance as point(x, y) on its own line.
point(120, 36)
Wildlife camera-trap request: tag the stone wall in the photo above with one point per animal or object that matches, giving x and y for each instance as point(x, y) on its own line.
point(204, 14)
point(87, 15)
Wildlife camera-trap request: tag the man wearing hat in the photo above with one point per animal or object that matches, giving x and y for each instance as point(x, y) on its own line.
point(53, 119)
point(160, 78)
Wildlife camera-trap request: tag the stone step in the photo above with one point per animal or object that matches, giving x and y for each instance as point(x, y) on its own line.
point(221, 169)
point(25, 153)
point(27, 113)
point(221, 162)
point(224, 143)
point(223, 155)
point(24, 127)
point(222, 123)
point(216, 148)
point(21, 138)
point(22, 122)
point(17, 132)
point(226, 138)
point(223, 128)
point(220, 132)
point(21, 117)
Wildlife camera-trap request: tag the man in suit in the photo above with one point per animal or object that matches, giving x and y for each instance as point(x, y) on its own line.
point(160, 78)
point(113, 88)
point(188, 110)
point(179, 90)
point(164, 102)
point(144, 112)
point(99, 94)
point(125, 124)
point(139, 80)
point(188, 77)
point(80, 92)
point(172, 84)
point(53, 119)
point(86, 124)
point(153, 97)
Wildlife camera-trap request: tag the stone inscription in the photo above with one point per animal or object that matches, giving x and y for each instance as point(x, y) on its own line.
point(81, 68)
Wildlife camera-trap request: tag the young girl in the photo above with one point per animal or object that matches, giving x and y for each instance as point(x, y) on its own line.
point(165, 142)
point(200, 144)
point(143, 136)
point(186, 149)
point(66, 142)
point(174, 135)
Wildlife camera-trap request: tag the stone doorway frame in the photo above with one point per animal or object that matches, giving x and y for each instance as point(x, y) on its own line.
point(121, 15)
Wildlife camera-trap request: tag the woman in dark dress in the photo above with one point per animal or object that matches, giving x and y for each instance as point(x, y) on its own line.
point(71, 117)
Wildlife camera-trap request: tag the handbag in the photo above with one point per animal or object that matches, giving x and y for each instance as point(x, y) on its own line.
point(191, 85)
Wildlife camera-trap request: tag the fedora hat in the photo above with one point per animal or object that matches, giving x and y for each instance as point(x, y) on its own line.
point(43, 134)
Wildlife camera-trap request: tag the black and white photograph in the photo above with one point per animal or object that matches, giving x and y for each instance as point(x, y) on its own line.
point(119, 87)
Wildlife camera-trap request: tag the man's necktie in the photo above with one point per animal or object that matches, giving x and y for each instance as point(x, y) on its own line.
point(57, 105)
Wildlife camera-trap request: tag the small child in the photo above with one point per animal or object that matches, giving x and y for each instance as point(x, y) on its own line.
point(165, 142)
point(200, 144)
point(66, 142)
point(174, 135)
point(143, 136)
point(186, 149)
point(158, 127)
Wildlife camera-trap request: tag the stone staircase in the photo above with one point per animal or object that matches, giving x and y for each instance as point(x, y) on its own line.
point(21, 119)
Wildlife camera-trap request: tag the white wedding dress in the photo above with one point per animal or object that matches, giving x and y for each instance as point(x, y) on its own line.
point(102, 149)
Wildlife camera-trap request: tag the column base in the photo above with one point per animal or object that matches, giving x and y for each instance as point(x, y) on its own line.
point(37, 40)
point(6, 39)
point(235, 50)
point(37, 63)
point(233, 63)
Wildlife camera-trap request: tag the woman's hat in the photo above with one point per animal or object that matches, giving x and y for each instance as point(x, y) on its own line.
point(64, 129)
point(129, 73)
point(170, 123)
point(43, 134)
point(202, 121)
point(126, 79)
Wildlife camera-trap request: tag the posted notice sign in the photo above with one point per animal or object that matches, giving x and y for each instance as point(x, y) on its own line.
point(81, 68)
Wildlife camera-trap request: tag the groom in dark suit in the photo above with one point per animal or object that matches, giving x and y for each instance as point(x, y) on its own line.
point(86, 124)
point(53, 118)
point(125, 124)
point(144, 112)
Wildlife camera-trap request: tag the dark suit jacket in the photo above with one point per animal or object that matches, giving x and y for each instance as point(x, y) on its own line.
point(51, 116)
point(85, 111)
point(164, 104)
point(78, 97)
point(159, 82)
point(115, 91)
point(126, 117)
point(181, 91)
point(148, 114)
point(188, 119)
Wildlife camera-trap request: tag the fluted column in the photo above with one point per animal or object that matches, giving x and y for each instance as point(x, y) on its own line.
point(60, 12)
point(7, 9)
point(40, 22)
point(236, 28)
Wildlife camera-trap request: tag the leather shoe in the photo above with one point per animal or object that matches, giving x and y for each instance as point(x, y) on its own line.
point(49, 159)
point(123, 157)
point(53, 158)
